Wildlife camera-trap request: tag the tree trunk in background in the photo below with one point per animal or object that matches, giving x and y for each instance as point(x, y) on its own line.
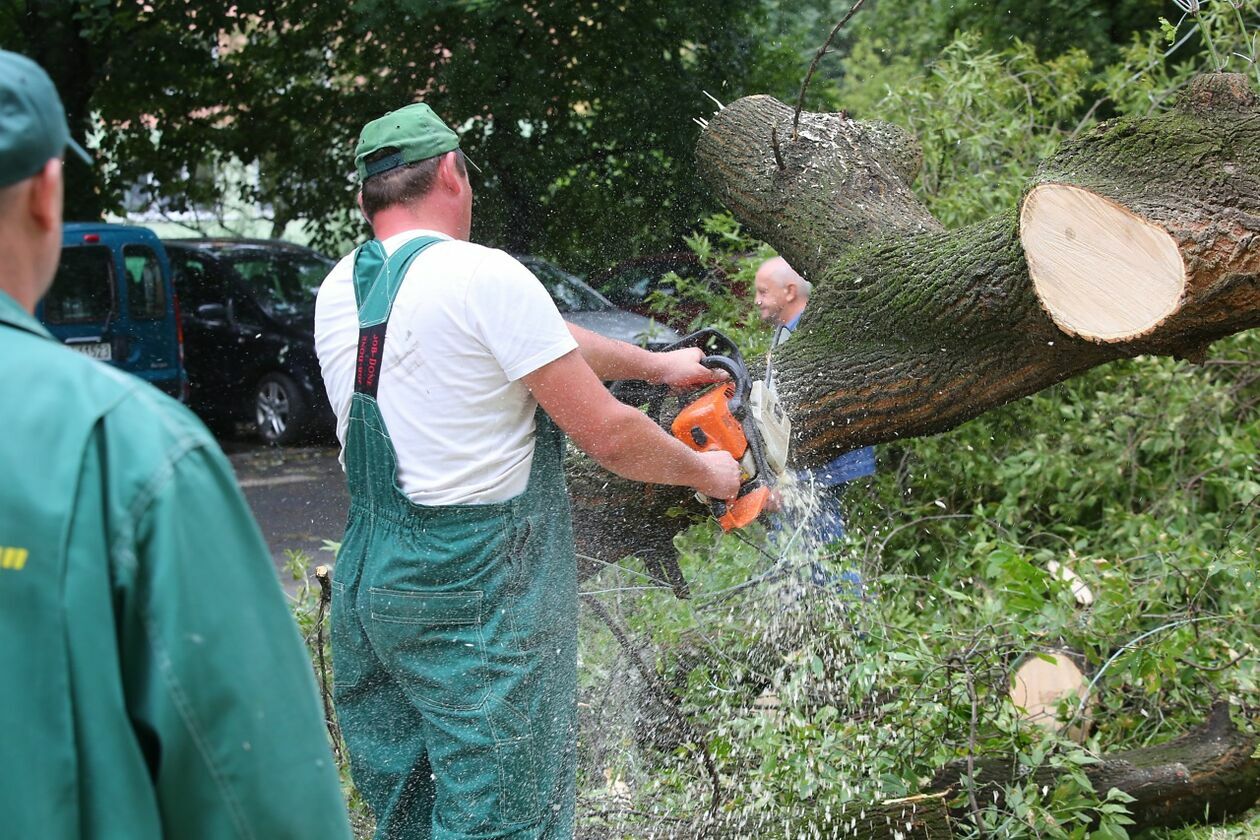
point(1206, 775)
point(1142, 236)
point(913, 330)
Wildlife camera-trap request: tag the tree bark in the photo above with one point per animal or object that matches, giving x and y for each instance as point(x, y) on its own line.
point(1207, 775)
point(913, 330)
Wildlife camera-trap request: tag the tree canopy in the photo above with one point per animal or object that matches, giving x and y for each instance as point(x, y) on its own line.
point(580, 113)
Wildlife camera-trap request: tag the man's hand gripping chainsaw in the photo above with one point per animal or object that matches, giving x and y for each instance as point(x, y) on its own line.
point(739, 416)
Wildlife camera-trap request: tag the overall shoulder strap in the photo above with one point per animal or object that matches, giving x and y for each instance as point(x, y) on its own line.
point(377, 279)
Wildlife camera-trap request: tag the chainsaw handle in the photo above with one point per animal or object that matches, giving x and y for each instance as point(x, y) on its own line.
point(711, 341)
point(739, 376)
point(741, 510)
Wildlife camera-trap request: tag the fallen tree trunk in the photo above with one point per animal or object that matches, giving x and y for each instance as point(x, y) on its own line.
point(1209, 774)
point(1139, 237)
point(1142, 236)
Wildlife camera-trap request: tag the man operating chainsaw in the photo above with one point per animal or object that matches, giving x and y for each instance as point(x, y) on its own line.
point(781, 297)
point(454, 613)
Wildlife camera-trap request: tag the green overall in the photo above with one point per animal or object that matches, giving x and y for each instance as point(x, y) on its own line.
point(454, 628)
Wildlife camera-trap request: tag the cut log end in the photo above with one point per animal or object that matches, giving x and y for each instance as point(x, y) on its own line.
point(1101, 272)
point(1041, 683)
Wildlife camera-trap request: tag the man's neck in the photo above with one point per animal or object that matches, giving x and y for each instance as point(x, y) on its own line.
point(790, 315)
point(20, 278)
point(395, 220)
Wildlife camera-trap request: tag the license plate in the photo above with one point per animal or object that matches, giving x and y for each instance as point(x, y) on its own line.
point(95, 349)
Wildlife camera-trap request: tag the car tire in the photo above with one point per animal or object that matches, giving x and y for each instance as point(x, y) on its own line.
point(281, 410)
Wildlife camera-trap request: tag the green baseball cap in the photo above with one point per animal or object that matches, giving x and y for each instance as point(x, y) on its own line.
point(33, 127)
point(415, 131)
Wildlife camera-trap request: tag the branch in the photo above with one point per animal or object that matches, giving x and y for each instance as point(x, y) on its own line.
point(800, 102)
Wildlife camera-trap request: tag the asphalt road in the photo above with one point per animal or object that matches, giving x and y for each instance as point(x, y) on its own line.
point(298, 495)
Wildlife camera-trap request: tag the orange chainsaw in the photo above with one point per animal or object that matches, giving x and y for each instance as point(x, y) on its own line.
point(739, 416)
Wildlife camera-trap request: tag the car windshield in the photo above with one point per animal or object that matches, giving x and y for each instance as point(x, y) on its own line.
point(569, 293)
point(283, 282)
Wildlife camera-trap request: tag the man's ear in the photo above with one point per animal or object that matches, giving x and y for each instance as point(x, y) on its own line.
point(448, 171)
point(44, 197)
point(789, 291)
point(359, 200)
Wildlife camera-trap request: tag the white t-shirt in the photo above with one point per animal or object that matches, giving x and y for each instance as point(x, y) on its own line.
point(467, 324)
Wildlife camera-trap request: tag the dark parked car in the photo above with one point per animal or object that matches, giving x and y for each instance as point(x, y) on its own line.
point(628, 284)
point(249, 317)
point(580, 304)
point(112, 300)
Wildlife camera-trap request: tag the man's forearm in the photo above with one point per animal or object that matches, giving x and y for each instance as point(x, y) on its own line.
point(612, 359)
point(634, 447)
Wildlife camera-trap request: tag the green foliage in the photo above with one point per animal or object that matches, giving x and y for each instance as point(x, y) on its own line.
point(579, 112)
point(1140, 477)
point(1053, 27)
point(724, 248)
point(986, 116)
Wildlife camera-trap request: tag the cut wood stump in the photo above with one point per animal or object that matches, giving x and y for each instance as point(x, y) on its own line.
point(1041, 682)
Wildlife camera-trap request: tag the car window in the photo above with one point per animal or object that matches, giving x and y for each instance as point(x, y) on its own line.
point(632, 284)
point(195, 283)
point(569, 293)
point(83, 289)
point(146, 293)
point(284, 283)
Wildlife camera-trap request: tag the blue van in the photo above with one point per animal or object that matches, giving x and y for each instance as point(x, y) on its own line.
point(112, 300)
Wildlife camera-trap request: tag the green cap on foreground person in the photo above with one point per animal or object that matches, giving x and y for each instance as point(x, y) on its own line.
point(154, 682)
point(32, 123)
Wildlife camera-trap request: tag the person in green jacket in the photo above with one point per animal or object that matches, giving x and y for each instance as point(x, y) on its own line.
point(154, 683)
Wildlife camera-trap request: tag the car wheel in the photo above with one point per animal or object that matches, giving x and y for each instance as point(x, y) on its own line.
point(281, 412)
